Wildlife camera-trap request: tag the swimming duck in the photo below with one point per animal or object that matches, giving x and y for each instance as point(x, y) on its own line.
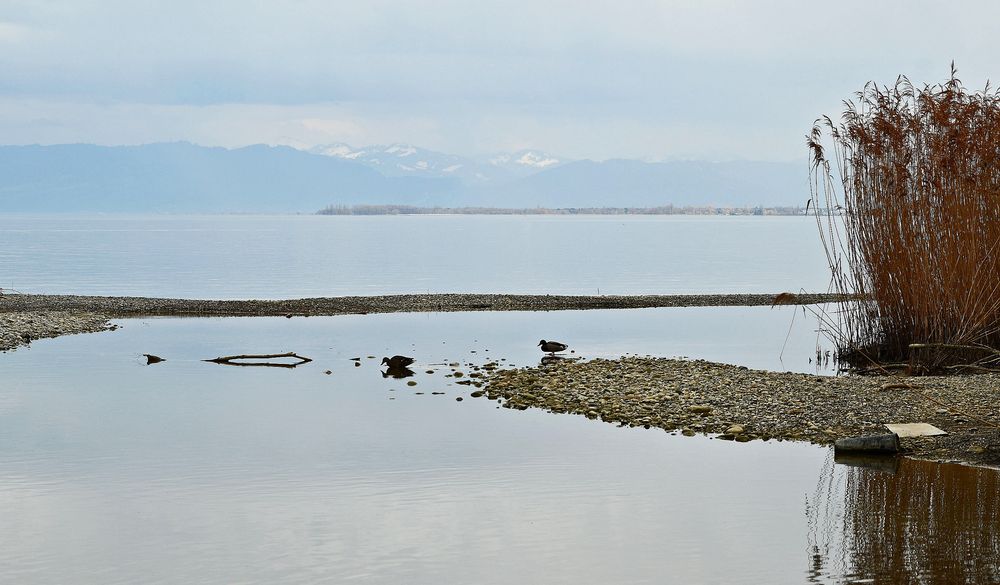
point(552, 346)
point(397, 361)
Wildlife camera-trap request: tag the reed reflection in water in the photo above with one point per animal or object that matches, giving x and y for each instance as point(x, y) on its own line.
point(926, 522)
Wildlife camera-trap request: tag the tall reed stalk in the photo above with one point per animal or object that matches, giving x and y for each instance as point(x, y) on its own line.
point(914, 234)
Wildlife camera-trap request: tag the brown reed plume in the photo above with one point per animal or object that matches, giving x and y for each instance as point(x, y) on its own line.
point(915, 233)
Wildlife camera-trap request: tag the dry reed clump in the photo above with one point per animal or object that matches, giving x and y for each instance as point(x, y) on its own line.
point(915, 233)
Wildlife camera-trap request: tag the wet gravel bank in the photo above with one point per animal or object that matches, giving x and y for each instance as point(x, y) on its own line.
point(144, 306)
point(740, 404)
point(21, 328)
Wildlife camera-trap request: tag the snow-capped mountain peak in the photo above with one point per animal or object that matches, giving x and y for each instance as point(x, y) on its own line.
point(338, 150)
point(400, 150)
point(538, 160)
point(401, 159)
point(525, 158)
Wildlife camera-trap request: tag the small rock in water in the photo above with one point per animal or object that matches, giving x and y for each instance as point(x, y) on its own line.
point(412, 383)
point(688, 432)
point(459, 399)
point(735, 430)
point(328, 372)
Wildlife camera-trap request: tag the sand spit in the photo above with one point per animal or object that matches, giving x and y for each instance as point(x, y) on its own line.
point(23, 327)
point(143, 306)
point(740, 404)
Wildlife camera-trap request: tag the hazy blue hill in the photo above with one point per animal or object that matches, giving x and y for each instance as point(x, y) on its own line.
point(182, 177)
point(635, 183)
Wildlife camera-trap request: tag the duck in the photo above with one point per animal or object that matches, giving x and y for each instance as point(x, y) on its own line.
point(397, 361)
point(552, 346)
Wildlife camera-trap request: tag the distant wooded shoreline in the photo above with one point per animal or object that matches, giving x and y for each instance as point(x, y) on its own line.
point(661, 210)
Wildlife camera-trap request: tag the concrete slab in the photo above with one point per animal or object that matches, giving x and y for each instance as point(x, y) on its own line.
point(915, 430)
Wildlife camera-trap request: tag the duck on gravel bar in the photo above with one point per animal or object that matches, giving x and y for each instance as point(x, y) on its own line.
point(552, 346)
point(397, 361)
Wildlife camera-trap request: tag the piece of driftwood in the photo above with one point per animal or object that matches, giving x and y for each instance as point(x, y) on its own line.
point(153, 359)
point(888, 443)
point(983, 348)
point(237, 360)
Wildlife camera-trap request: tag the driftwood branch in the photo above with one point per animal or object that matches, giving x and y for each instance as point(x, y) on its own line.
point(952, 408)
point(236, 360)
point(973, 368)
point(883, 368)
point(985, 348)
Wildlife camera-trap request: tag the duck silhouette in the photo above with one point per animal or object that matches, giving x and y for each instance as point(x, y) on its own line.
point(552, 347)
point(397, 361)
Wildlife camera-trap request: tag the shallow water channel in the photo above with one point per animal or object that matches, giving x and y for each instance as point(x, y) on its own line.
point(184, 471)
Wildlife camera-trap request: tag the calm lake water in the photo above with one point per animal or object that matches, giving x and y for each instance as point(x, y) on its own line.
point(189, 472)
point(112, 471)
point(229, 257)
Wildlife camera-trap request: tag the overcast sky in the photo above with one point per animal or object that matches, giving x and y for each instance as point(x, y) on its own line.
point(640, 79)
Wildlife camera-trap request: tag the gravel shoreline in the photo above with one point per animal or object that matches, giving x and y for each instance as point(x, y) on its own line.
point(148, 307)
point(741, 404)
point(23, 327)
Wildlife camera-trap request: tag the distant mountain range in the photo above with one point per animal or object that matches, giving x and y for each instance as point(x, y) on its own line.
point(182, 177)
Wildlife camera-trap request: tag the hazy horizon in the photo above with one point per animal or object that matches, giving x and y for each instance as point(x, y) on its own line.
point(471, 155)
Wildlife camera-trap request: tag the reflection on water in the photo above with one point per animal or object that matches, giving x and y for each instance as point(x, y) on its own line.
point(398, 372)
point(112, 472)
point(920, 523)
